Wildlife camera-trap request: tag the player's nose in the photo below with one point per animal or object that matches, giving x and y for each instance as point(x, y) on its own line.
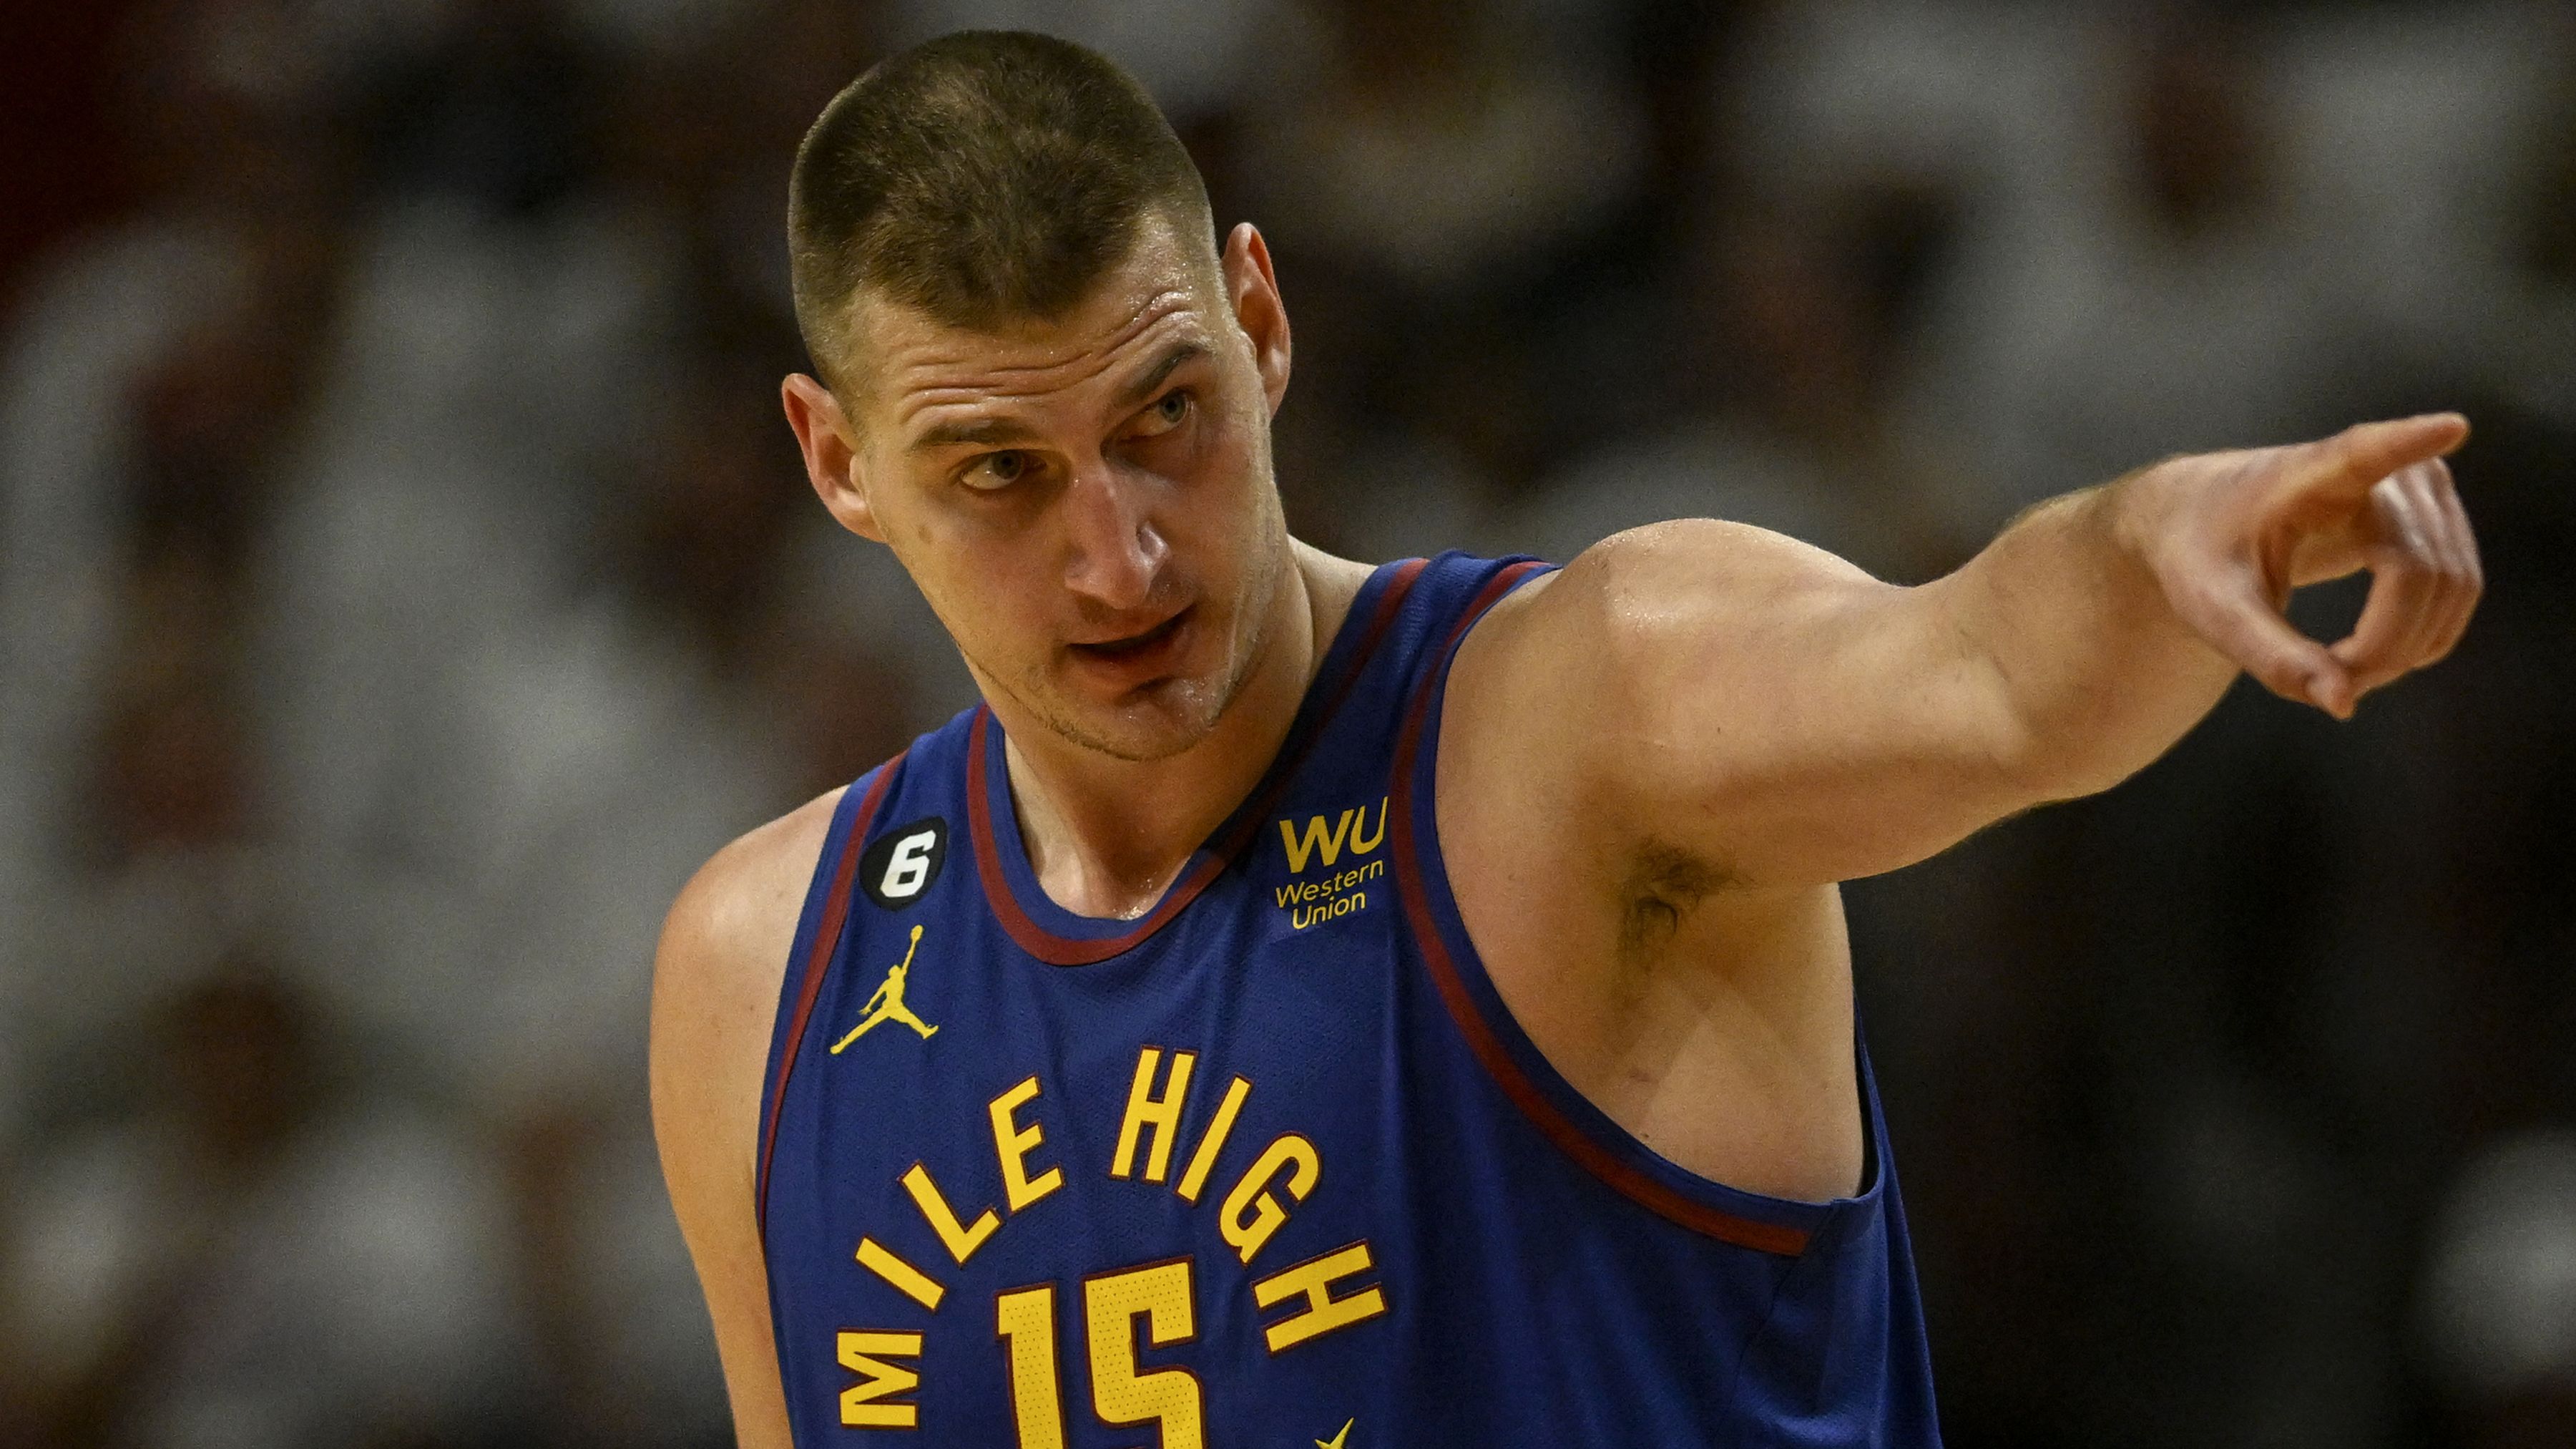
point(1114, 550)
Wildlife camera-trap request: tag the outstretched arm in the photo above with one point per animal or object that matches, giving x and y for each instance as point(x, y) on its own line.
point(1788, 720)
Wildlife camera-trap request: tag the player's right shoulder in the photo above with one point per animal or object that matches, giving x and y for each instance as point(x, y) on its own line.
point(716, 984)
point(746, 898)
point(719, 970)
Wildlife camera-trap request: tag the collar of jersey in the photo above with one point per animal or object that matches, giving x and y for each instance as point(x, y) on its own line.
point(1061, 937)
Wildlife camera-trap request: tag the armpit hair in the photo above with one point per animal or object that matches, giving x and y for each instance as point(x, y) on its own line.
point(1663, 884)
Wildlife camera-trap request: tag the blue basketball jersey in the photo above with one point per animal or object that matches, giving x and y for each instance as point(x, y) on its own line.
point(1270, 1166)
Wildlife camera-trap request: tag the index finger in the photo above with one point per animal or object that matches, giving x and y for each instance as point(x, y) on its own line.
point(2359, 456)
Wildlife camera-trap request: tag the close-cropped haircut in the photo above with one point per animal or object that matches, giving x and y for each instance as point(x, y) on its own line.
point(985, 178)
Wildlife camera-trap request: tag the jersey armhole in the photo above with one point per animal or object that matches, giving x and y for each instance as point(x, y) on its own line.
point(1562, 1114)
point(818, 937)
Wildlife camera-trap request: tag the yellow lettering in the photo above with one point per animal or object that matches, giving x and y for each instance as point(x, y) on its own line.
point(1170, 1397)
point(1026, 1320)
point(1248, 1232)
point(1314, 1279)
point(1303, 916)
point(962, 1241)
point(1162, 1113)
point(862, 1403)
point(1316, 840)
point(1361, 846)
point(1015, 1143)
point(907, 1279)
point(1195, 1176)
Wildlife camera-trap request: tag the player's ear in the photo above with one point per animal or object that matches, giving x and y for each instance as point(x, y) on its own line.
point(831, 453)
point(1253, 291)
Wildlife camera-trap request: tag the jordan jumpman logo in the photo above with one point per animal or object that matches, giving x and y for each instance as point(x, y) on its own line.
point(891, 995)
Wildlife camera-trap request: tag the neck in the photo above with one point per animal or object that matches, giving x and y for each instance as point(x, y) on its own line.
point(1106, 836)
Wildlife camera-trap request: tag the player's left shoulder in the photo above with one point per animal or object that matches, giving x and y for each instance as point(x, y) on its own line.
point(1593, 717)
point(1580, 668)
point(1646, 586)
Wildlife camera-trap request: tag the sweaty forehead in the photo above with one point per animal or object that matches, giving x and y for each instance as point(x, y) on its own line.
point(917, 363)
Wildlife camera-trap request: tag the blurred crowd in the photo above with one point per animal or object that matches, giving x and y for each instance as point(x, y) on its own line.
point(406, 579)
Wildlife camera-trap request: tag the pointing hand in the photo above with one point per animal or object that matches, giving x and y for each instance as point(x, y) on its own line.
point(2229, 535)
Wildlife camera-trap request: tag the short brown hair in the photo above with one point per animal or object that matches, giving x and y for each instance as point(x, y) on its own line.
point(984, 177)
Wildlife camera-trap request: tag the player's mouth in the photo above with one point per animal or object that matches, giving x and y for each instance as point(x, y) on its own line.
point(1139, 658)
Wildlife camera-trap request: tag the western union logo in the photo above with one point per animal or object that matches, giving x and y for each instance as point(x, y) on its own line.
point(1324, 842)
point(1349, 830)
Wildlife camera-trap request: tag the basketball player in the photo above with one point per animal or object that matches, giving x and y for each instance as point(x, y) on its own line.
point(1397, 1006)
point(887, 1003)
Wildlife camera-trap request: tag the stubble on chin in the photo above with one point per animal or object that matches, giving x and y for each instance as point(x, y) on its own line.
point(1182, 713)
point(1185, 712)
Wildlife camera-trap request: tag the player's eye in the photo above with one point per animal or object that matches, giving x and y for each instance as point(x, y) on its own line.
point(998, 470)
point(1164, 414)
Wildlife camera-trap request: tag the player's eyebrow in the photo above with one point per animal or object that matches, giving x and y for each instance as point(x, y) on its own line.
point(994, 432)
point(984, 431)
point(1143, 387)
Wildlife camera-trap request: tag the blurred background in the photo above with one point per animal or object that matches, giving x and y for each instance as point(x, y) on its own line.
point(406, 579)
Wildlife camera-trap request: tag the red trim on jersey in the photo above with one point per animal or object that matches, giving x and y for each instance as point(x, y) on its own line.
point(818, 964)
point(1482, 1038)
point(1210, 861)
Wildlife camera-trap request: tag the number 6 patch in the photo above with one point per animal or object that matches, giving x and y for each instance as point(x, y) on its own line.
point(904, 862)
